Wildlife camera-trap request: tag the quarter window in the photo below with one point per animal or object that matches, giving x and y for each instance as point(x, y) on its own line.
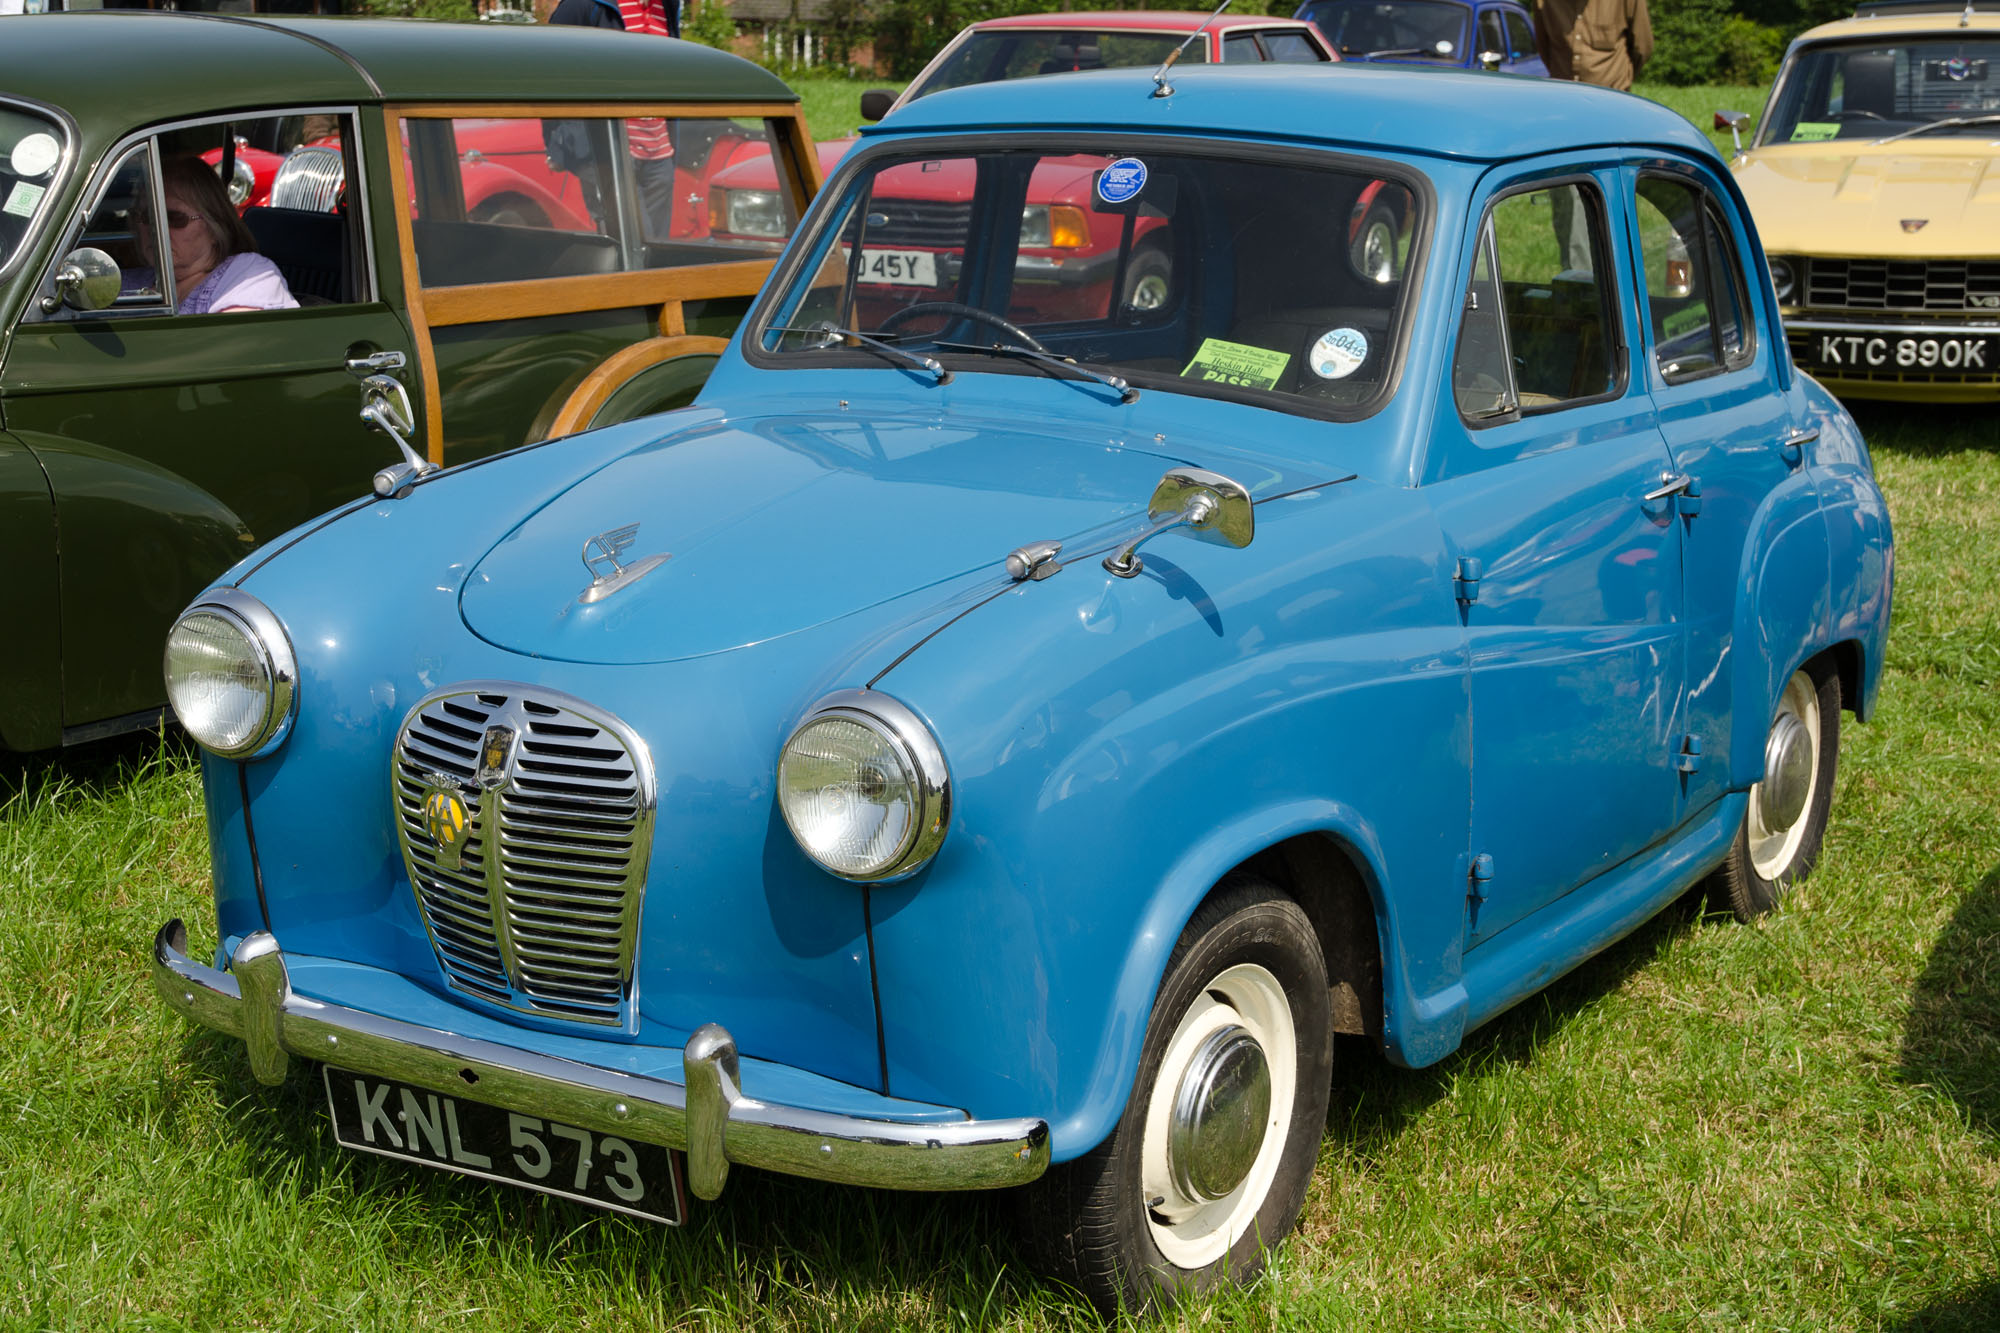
point(1537, 330)
point(1696, 301)
point(1519, 35)
point(1490, 37)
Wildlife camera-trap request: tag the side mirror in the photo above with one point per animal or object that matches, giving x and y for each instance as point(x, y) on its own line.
point(87, 280)
point(875, 103)
point(1209, 505)
point(1733, 121)
point(1490, 60)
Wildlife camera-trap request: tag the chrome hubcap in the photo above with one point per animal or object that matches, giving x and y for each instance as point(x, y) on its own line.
point(1788, 773)
point(1220, 1112)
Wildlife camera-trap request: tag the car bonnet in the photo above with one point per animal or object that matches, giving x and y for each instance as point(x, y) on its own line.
point(777, 524)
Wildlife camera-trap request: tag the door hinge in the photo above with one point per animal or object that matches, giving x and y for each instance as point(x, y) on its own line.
point(1688, 502)
point(1465, 584)
point(1481, 878)
point(1689, 759)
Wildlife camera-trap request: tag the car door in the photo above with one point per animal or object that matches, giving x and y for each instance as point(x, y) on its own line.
point(1714, 373)
point(1523, 56)
point(175, 444)
point(1545, 473)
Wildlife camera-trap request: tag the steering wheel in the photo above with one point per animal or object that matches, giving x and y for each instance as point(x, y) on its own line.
point(972, 312)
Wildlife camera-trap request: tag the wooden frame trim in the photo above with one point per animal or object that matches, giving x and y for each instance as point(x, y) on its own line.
point(439, 307)
point(616, 370)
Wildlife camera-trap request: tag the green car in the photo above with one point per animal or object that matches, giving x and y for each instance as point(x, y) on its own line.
point(494, 235)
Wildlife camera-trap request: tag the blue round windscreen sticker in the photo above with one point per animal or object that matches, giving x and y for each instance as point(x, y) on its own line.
point(1121, 180)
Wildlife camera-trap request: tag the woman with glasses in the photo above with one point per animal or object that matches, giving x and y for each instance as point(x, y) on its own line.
point(215, 261)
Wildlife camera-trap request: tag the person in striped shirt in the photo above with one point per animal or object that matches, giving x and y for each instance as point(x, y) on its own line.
point(647, 138)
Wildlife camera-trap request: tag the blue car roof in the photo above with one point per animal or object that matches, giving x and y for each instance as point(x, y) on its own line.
point(1442, 113)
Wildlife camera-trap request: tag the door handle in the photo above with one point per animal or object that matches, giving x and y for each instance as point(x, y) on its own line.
point(1670, 484)
point(1793, 447)
point(376, 363)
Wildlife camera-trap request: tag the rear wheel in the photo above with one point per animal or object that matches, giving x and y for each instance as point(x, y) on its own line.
point(1779, 840)
point(1207, 1167)
point(1149, 280)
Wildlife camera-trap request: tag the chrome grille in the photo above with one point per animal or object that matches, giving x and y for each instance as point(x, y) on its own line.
point(940, 225)
point(1956, 286)
point(541, 912)
point(310, 178)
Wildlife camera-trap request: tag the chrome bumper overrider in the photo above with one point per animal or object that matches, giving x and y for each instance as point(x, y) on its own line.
point(708, 1117)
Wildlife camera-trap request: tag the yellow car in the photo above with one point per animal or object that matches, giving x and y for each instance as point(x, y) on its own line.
point(1875, 182)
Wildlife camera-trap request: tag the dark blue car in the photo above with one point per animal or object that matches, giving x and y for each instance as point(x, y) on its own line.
point(1497, 34)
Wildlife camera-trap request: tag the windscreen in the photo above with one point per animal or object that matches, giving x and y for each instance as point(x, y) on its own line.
point(1016, 53)
point(1279, 279)
point(1425, 30)
point(1916, 86)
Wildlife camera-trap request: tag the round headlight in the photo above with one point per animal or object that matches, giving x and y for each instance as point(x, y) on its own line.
point(863, 787)
point(1781, 278)
point(231, 676)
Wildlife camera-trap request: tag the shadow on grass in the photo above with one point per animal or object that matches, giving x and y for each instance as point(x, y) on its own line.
point(1373, 1100)
point(1952, 1039)
point(97, 768)
point(863, 1258)
point(1927, 430)
point(1973, 1311)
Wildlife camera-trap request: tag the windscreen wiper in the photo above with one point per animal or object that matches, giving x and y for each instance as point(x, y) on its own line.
point(1949, 122)
point(828, 333)
point(1126, 393)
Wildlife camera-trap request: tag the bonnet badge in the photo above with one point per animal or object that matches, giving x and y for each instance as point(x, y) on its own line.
point(448, 822)
point(603, 557)
point(1915, 224)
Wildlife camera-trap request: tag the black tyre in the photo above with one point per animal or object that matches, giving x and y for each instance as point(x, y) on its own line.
point(1149, 280)
point(1779, 839)
point(1208, 1165)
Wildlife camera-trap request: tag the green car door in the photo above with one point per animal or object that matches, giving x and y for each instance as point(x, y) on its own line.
point(173, 444)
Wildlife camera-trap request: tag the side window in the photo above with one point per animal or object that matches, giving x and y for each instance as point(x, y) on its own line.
point(1490, 36)
point(1291, 48)
point(1520, 36)
point(513, 199)
point(1696, 301)
point(1537, 330)
point(1240, 48)
point(229, 216)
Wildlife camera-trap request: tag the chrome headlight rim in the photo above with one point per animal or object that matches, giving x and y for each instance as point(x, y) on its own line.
point(266, 633)
point(898, 725)
point(1784, 277)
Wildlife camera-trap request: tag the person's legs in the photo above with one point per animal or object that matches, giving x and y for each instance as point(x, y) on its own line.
point(656, 196)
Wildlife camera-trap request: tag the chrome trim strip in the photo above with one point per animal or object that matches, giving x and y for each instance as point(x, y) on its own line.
point(1911, 329)
point(255, 1001)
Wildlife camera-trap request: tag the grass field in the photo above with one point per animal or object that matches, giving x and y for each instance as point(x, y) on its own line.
point(1789, 1126)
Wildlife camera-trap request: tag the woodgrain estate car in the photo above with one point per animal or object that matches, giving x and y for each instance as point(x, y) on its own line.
point(1876, 182)
point(468, 279)
point(974, 746)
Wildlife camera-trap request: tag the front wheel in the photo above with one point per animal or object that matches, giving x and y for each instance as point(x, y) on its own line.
point(1779, 839)
point(1207, 1167)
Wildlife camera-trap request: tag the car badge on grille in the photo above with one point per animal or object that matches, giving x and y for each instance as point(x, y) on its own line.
point(494, 750)
point(1915, 224)
point(608, 573)
point(448, 822)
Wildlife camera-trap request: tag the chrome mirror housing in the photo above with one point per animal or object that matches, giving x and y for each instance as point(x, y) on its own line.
point(1209, 505)
point(1490, 60)
point(87, 280)
point(1733, 121)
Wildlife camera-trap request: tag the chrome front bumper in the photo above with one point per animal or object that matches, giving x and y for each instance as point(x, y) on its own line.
point(708, 1117)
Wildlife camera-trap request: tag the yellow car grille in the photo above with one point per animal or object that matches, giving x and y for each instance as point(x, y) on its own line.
point(1943, 286)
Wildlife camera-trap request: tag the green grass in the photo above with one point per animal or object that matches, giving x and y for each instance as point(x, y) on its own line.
point(1794, 1125)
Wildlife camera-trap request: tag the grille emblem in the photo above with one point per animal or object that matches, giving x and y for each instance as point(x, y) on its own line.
point(608, 573)
point(1915, 224)
point(494, 751)
point(446, 820)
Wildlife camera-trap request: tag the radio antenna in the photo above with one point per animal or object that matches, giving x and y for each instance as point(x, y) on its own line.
point(1161, 88)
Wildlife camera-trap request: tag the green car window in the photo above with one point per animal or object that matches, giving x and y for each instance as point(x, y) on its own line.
point(31, 159)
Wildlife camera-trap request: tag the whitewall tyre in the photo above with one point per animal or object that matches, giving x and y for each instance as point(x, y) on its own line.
point(1779, 840)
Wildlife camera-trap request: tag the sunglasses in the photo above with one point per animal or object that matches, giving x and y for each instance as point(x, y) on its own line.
point(176, 219)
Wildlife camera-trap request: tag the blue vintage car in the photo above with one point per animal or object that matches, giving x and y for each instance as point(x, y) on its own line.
point(1002, 732)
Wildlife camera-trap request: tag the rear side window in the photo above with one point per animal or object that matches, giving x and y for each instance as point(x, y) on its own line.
point(1490, 36)
point(1292, 48)
point(1519, 35)
point(1697, 303)
point(1537, 330)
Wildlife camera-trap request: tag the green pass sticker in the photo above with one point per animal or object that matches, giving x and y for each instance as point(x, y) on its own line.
point(1220, 362)
point(1812, 131)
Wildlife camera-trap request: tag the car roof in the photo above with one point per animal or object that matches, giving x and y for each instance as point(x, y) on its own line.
point(1139, 20)
point(1438, 112)
point(1904, 22)
point(139, 66)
